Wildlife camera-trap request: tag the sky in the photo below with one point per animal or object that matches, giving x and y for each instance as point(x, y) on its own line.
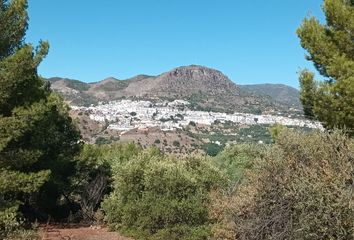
point(249, 41)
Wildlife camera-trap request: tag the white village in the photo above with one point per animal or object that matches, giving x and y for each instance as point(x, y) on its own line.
point(125, 115)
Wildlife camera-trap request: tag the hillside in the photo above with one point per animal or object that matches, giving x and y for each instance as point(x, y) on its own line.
point(204, 88)
point(279, 93)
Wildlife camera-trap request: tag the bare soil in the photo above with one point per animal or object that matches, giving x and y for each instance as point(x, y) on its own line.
point(75, 232)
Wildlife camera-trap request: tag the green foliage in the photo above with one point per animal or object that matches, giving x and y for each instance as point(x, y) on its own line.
point(302, 188)
point(212, 149)
point(9, 220)
point(331, 49)
point(159, 197)
point(236, 160)
point(276, 130)
point(254, 134)
point(308, 90)
point(94, 175)
point(48, 141)
point(102, 141)
point(95, 157)
point(37, 137)
point(117, 154)
point(20, 84)
point(13, 25)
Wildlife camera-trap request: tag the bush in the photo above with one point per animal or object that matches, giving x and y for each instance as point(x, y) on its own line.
point(159, 197)
point(236, 160)
point(102, 141)
point(193, 124)
point(176, 143)
point(301, 189)
point(212, 149)
point(94, 175)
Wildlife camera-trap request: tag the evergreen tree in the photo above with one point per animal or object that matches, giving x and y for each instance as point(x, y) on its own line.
point(37, 137)
point(330, 47)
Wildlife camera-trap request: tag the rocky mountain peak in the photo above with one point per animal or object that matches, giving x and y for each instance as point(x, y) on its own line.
point(195, 72)
point(205, 88)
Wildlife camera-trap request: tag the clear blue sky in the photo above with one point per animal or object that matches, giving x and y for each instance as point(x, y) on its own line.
point(249, 41)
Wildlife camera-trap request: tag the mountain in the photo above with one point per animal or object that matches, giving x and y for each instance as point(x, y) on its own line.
point(205, 88)
point(279, 93)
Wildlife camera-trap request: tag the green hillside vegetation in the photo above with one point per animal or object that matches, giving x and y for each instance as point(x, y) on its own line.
point(279, 93)
point(77, 85)
point(114, 85)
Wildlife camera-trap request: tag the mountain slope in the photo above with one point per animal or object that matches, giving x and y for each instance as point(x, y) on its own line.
point(280, 93)
point(205, 88)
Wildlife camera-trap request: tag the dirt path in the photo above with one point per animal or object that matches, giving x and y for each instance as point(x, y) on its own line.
point(79, 233)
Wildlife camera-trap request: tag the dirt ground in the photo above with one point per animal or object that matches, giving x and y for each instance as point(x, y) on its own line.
point(79, 233)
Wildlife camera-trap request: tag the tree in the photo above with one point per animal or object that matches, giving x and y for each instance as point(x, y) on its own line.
point(330, 47)
point(13, 26)
point(37, 137)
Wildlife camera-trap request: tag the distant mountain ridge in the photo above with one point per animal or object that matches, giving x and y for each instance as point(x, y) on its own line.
point(280, 93)
point(205, 88)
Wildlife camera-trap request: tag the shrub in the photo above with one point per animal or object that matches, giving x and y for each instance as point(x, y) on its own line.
point(236, 160)
point(93, 175)
point(102, 140)
point(176, 143)
point(275, 131)
point(212, 149)
point(159, 197)
point(193, 124)
point(301, 189)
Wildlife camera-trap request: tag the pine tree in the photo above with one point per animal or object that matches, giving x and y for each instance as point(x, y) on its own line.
point(37, 137)
point(330, 47)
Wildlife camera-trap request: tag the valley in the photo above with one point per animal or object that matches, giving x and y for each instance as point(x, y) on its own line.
point(156, 123)
point(189, 109)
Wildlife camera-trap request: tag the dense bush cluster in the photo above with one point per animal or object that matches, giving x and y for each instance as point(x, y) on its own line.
point(93, 177)
point(234, 161)
point(160, 197)
point(302, 188)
